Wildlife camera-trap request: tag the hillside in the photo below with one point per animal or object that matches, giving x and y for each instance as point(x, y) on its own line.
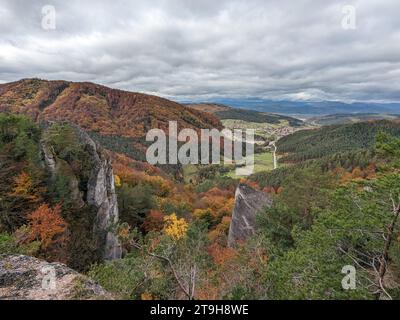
point(208, 107)
point(188, 225)
point(328, 140)
point(98, 108)
point(224, 112)
point(346, 118)
point(258, 117)
point(59, 182)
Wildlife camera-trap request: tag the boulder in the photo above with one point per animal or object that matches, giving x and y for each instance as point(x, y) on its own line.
point(28, 278)
point(248, 202)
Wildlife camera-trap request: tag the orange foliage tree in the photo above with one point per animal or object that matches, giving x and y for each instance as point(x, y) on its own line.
point(221, 255)
point(218, 203)
point(154, 221)
point(47, 225)
point(220, 232)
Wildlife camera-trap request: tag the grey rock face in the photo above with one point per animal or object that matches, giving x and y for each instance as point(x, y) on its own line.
point(55, 166)
point(100, 192)
point(48, 157)
point(248, 202)
point(28, 278)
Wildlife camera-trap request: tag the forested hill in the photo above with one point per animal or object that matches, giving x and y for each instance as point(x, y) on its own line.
point(224, 112)
point(98, 108)
point(325, 141)
point(256, 116)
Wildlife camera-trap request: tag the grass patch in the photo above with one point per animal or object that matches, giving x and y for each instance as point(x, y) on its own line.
point(263, 162)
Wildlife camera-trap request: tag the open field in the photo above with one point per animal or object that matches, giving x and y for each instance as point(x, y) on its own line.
point(262, 162)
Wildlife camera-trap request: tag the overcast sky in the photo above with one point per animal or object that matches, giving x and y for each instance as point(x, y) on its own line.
point(204, 49)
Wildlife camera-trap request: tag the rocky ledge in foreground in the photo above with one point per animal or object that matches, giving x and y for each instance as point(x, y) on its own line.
point(28, 278)
point(248, 202)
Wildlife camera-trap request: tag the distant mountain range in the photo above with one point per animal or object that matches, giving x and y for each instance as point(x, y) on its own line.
point(308, 109)
point(334, 119)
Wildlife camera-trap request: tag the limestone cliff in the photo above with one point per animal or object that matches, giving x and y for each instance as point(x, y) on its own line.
point(101, 194)
point(248, 202)
point(98, 194)
point(28, 278)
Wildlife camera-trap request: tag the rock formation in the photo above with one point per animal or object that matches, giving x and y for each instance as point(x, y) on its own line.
point(28, 278)
point(100, 193)
point(248, 202)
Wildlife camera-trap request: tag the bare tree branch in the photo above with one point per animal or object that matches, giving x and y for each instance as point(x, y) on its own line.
point(171, 266)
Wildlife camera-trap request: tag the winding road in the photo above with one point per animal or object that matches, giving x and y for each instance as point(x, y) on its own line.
point(274, 154)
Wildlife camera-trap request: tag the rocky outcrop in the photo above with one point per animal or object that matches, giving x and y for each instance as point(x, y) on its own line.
point(99, 194)
point(28, 278)
point(55, 166)
point(248, 202)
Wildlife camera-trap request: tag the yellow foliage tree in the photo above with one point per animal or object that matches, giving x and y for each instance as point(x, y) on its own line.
point(202, 213)
point(117, 181)
point(24, 188)
point(23, 184)
point(174, 227)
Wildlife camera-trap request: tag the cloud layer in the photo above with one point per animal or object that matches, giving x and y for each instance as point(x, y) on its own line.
point(203, 49)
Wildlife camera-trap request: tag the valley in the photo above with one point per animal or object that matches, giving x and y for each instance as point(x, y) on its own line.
point(76, 188)
point(199, 157)
point(269, 129)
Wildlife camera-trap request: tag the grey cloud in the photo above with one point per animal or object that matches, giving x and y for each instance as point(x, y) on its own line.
point(197, 49)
